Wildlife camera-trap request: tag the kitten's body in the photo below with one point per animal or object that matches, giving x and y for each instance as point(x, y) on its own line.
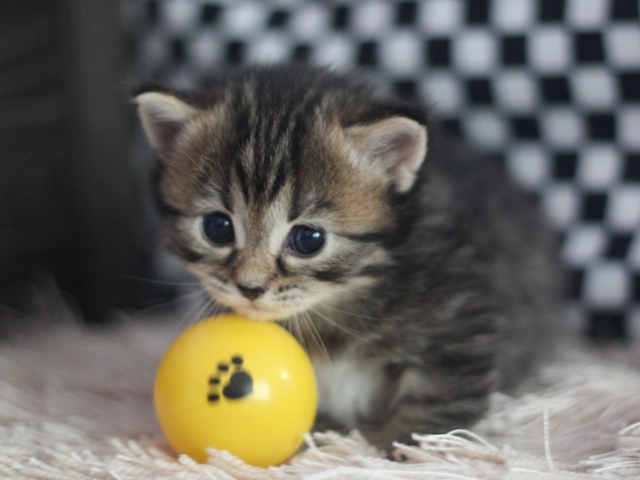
point(434, 283)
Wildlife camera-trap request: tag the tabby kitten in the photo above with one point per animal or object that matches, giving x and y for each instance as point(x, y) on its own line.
point(296, 193)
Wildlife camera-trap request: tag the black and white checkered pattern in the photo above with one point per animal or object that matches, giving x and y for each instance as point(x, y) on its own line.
point(552, 85)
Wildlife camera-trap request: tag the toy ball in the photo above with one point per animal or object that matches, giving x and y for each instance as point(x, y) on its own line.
point(238, 385)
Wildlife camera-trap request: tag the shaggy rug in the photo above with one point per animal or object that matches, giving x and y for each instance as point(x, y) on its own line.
point(75, 403)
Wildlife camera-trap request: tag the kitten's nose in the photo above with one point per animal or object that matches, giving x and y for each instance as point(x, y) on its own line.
point(250, 292)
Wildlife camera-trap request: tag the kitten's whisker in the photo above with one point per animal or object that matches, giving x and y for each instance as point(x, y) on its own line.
point(346, 312)
point(186, 318)
point(197, 312)
point(200, 291)
point(207, 306)
point(299, 333)
point(157, 281)
point(173, 303)
point(338, 325)
point(286, 323)
point(315, 335)
point(217, 308)
point(195, 301)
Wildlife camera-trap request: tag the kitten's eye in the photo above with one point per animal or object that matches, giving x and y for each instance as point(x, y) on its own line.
point(306, 240)
point(218, 228)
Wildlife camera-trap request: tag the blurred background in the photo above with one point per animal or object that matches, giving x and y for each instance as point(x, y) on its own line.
point(552, 87)
point(69, 208)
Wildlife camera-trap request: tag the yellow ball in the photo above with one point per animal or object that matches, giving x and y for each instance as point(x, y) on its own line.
point(238, 385)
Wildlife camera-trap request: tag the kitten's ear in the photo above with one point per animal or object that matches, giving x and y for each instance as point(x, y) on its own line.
point(163, 116)
point(397, 145)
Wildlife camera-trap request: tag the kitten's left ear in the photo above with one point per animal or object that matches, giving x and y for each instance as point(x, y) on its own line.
point(163, 116)
point(397, 145)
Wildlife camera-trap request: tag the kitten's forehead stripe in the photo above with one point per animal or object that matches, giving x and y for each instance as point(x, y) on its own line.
point(242, 177)
point(296, 163)
point(278, 182)
point(225, 196)
point(272, 137)
point(280, 127)
point(307, 205)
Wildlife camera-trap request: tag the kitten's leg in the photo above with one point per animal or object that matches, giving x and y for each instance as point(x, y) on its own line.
point(449, 404)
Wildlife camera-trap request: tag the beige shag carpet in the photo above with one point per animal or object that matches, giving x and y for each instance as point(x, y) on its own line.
point(76, 404)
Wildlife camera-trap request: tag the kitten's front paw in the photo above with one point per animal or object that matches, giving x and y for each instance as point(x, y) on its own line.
point(384, 440)
point(325, 423)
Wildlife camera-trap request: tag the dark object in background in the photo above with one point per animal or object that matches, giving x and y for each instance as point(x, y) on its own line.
point(68, 201)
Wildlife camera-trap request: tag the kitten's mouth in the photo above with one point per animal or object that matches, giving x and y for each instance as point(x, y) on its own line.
point(248, 309)
point(254, 310)
point(258, 312)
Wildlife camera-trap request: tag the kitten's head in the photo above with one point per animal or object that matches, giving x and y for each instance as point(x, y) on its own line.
point(280, 185)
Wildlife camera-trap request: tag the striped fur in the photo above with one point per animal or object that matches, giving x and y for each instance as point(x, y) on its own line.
point(437, 281)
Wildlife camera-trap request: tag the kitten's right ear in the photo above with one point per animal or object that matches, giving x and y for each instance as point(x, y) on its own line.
point(163, 116)
point(394, 148)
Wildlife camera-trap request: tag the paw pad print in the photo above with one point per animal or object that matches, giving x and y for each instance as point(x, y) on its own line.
point(239, 384)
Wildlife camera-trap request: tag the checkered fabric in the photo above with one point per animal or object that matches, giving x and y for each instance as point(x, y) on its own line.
point(551, 85)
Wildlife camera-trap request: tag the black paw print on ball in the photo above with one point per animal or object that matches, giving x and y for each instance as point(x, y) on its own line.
point(240, 383)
